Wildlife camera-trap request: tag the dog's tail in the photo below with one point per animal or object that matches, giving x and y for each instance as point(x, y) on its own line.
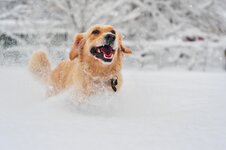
point(39, 66)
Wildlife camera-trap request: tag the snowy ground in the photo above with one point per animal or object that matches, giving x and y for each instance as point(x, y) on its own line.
point(154, 110)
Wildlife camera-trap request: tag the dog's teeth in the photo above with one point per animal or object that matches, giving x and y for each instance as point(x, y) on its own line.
point(98, 50)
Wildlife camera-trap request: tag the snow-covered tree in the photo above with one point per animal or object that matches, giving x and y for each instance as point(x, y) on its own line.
point(51, 24)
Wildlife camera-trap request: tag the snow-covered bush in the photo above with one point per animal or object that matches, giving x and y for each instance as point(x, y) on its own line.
point(51, 25)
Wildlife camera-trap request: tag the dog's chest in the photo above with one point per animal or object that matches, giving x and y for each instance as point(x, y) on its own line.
point(97, 84)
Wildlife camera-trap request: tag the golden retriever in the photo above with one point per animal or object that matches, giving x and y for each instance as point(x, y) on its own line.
point(95, 63)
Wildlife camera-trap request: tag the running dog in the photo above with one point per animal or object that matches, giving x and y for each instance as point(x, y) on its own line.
point(95, 62)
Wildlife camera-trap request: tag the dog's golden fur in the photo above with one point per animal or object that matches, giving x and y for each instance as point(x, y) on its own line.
point(82, 71)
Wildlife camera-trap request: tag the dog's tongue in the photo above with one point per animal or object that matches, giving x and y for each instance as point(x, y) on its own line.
point(107, 50)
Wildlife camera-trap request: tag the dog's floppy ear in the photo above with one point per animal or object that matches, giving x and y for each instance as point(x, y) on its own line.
point(76, 46)
point(122, 47)
point(126, 50)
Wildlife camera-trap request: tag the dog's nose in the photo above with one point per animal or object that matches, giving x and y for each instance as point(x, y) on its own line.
point(110, 38)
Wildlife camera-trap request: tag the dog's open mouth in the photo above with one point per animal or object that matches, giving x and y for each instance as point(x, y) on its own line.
point(105, 52)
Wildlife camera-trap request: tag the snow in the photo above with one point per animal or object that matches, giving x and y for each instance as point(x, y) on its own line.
point(155, 30)
point(155, 110)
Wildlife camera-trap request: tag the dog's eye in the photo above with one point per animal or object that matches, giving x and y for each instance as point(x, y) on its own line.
point(95, 32)
point(112, 31)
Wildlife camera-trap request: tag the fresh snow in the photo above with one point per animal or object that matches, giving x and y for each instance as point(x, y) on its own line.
point(154, 110)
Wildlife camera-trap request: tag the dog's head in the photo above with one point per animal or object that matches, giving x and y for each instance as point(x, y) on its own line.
point(101, 45)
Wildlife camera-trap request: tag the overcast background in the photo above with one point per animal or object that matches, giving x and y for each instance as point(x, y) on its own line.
point(164, 34)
